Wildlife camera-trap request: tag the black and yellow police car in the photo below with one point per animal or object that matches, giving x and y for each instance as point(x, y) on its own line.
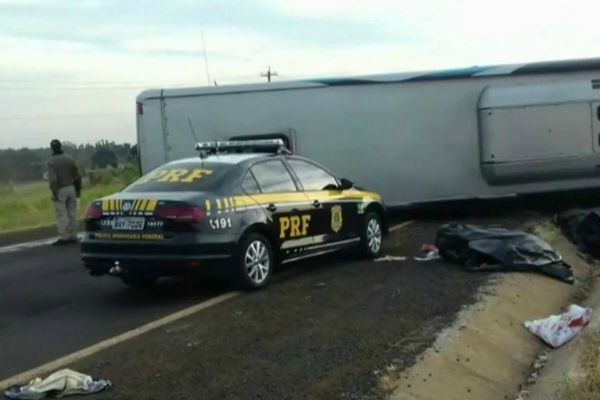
point(240, 207)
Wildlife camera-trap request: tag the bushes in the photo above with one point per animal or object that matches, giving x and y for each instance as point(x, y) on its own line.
point(124, 175)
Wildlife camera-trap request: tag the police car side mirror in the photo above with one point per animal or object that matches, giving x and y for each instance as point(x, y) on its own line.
point(346, 184)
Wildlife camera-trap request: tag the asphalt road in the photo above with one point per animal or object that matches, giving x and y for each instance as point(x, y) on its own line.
point(325, 329)
point(50, 306)
point(322, 330)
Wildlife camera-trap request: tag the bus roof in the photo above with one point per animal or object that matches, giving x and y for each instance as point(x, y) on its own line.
point(546, 67)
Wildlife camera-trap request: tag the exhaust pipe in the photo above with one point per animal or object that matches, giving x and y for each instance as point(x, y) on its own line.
point(116, 269)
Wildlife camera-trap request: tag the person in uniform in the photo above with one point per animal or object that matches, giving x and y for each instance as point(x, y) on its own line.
point(65, 185)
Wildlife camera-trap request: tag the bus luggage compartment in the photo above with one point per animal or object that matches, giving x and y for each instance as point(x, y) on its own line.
point(531, 133)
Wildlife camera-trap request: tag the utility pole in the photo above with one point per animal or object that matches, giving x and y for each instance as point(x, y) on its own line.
point(269, 74)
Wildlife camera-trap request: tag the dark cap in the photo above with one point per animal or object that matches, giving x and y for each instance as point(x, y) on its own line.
point(55, 144)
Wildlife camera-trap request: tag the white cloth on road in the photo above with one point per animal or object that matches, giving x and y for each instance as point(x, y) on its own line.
point(65, 207)
point(390, 258)
point(61, 383)
point(556, 330)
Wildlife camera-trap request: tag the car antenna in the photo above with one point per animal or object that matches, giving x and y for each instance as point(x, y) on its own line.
point(203, 154)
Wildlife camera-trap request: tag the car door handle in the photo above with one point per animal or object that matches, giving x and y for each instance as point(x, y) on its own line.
point(316, 204)
point(272, 207)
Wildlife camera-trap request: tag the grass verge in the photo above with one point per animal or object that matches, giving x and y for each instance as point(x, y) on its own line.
point(588, 387)
point(29, 205)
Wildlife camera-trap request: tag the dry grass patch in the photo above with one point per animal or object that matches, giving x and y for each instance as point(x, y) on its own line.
point(587, 387)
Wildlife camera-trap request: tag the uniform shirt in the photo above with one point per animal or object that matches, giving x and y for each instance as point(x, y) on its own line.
point(62, 171)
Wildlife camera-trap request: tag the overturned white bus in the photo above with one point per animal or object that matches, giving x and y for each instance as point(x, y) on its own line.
point(480, 132)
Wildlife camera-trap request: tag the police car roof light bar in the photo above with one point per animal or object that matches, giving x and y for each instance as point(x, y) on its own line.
point(262, 145)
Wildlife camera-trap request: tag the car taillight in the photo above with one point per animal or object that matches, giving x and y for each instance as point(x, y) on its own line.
point(186, 214)
point(140, 108)
point(93, 212)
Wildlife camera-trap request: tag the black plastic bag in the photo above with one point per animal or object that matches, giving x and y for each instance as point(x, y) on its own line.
point(582, 227)
point(499, 249)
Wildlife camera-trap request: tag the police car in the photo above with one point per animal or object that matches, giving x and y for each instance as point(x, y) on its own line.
point(241, 207)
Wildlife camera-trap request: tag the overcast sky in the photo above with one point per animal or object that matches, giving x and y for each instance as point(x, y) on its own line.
point(72, 69)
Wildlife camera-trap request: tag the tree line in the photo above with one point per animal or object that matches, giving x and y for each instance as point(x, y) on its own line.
point(22, 165)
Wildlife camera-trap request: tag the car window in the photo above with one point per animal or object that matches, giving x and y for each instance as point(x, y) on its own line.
point(273, 177)
point(249, 184)
point(181, 177)
point(312, 177)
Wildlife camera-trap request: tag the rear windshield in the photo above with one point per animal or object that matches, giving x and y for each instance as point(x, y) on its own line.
point(181, 177)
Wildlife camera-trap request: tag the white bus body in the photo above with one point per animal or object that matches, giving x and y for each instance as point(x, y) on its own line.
point(481, 132)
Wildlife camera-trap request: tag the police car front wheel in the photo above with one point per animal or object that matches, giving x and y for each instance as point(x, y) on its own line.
point(255, 262)
point(372, 236)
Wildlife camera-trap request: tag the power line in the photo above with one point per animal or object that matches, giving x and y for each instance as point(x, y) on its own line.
point(60, 116)
point(73, 88)
point(76, 88)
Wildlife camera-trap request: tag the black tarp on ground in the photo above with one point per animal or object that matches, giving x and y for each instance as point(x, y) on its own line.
point(498, 249)
point(582, 227)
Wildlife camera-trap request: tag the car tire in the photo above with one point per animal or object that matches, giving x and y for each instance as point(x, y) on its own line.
point(371, 236)
point(255, 262)
point(139, 281)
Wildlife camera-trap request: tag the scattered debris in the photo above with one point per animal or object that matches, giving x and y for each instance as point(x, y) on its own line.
point(62, 383)
point(428, 252)
point(390, 258)
point(582, 227)
point(556, 330)
point(500, 250)
point(523, 394)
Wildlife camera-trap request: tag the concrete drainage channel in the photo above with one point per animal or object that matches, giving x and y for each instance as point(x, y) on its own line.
point(488, 354)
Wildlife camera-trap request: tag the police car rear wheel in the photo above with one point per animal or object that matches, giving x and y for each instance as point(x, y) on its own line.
point(372, 236)
point(255, 262)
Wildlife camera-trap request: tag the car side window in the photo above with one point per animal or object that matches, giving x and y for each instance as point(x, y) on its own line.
point(312, 177)
point(249, 184)
point(273, 177)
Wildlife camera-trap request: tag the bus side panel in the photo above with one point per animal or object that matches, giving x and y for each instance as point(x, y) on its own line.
point(412, 141)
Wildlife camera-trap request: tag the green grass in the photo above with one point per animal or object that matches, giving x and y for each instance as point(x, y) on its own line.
point(29, 205)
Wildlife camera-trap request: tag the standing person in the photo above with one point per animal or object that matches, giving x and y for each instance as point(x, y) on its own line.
point(65, 185)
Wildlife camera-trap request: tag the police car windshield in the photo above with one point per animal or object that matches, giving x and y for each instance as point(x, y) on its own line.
point(181, 177)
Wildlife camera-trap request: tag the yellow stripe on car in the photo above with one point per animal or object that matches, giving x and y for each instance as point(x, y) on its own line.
point(144, 206)
point(300, 197)
point(151, 206)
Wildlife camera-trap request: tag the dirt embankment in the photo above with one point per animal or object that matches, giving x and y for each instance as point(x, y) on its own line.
point(487, 353)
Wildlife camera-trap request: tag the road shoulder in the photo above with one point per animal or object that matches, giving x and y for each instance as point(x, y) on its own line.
point(487, 353)
point(27, 235)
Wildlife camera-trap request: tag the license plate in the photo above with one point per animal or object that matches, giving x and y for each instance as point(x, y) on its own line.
point(128, 223)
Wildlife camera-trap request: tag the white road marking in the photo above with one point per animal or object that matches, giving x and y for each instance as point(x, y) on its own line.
point(30, 245)
point(401, 225)
point(26, 376)
point(27, 245)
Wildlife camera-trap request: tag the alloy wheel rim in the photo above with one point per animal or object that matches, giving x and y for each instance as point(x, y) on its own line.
point(374, 235)
point(257, 262)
